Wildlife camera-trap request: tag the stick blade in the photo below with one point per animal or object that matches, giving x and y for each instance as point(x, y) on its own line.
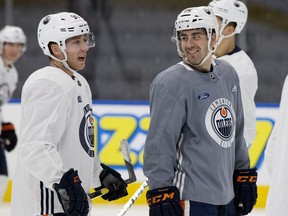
point(124, 145)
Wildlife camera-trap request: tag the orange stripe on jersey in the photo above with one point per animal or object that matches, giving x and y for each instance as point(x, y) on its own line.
point(7, 127)
point(182, 204)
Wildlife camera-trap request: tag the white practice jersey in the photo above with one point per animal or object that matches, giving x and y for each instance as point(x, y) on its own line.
point(249, 85)
point(56, 134)
point(276, 160)
point(8, 82)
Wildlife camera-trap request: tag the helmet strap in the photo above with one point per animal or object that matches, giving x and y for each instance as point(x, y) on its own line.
point(211, 50)
point(64, 61)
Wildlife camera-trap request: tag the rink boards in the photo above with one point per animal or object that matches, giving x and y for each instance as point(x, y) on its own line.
point(130, 120)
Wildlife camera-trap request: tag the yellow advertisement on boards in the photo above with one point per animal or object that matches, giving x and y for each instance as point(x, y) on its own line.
point(130, 120)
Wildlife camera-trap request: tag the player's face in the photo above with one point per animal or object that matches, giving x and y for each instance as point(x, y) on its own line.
point(194, 44)
point(11, 52)
point(76, 49)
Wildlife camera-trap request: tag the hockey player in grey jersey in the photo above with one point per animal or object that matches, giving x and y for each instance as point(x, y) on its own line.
point(195, 155)
point(56, 162)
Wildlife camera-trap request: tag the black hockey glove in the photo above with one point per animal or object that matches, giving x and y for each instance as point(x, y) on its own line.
point(72, 195)
point(164, 202)
point(245, 190)
point(8, 137)
point(112, 180)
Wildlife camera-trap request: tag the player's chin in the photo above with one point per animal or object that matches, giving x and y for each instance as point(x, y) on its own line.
point(80, 66)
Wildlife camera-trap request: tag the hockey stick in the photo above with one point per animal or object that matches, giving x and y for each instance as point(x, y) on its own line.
point(124, 146)
point(133, 199)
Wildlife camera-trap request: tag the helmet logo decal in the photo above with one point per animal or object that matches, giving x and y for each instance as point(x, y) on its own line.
point(46, 20)
point(207, 10)
point(75, 16)
point(220, 122)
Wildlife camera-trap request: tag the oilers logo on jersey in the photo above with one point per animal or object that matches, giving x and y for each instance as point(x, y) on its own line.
point(219, 121)
point(4, 93)
point(86, 131)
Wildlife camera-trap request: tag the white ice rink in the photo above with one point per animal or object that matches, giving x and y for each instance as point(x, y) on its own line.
point(112, 210)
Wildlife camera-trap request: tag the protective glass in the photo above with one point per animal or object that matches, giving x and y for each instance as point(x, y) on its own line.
point(85, 41)
point(91, 39)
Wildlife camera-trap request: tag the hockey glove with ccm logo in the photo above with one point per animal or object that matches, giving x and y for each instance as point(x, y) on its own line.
point(245, 190)
point(112, 180)
point(8, 137)
point(164, 202)
point(72, 195)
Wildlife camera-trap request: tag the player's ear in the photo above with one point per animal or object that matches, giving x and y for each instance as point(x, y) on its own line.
point(213, 38)
point(55, 50)
point(229, 29)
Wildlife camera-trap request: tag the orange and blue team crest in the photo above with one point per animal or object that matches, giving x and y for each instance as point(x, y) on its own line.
point(219, 121)
point(86, 131)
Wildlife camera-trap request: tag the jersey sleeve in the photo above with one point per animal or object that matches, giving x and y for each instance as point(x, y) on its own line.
point(242, 160)
point(277, 143)
point(167, 118)
point(96, 172)
point(248, 85)
point(44, 111)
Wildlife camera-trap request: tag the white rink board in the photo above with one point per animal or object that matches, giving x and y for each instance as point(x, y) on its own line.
point(11, 112)
point(137, 113)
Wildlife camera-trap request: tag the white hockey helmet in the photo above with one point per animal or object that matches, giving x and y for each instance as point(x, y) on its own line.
point(12, 34)
point(195, 18)
point(59, 27)
point(230, 11)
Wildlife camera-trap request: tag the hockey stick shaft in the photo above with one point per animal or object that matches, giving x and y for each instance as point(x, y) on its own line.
point(132, 177)
point(132, 200)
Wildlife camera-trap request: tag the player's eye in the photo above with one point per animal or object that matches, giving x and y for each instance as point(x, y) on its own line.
point(183, 37)
point(77, 42)
point(196, 36)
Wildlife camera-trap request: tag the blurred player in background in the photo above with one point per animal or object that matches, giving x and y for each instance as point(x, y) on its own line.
point(56, 162)
point(276, 160)
point(12, 46)
point(195, 154)
point(232, 16)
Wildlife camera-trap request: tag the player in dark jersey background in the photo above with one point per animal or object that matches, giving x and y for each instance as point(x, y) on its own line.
point(195, 155)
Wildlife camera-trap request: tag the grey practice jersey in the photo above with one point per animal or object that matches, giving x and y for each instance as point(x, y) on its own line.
point(56, 134)
point(195, 139)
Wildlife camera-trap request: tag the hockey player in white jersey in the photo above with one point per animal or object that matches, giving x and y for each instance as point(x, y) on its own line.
point(12, 46)
point(56, 162)
point(195, 155)
point(232, 17)
point(276, 160)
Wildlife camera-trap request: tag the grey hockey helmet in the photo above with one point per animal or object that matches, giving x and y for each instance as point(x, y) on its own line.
point(12, 34)
point(230, 11)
